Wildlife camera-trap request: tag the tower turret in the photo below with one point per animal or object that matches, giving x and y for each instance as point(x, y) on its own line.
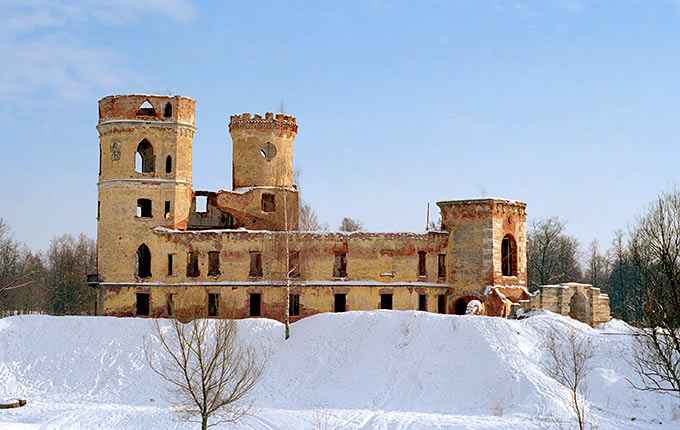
point(262, 150)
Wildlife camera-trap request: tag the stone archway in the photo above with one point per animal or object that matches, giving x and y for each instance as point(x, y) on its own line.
point(460, 307)
point(578, 307)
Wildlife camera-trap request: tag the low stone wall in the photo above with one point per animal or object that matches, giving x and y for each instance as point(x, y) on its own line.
point(582, 302)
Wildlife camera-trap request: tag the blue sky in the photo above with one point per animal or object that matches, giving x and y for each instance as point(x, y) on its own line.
point(568, 105)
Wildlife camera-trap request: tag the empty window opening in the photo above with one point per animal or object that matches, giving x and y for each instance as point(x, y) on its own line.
point(146, 109)
point(386, 301)
point(441, 304)
point(171, 270)
point(255, 264)
point(144, 159)
point(171, 298)
point(460, 307)
point(340, 302)
point(422, 267)
point(508, 256)
point(99, 209)
point(441, 266)
point(386, 267)
point(294, 264)
point(168, 164)
point(142, 304)
point(268, 151)
point(166, 212)
point(143, 262)
point(202, 204)
point(268, 203)
point(143, 208)
point(168, 110)
point(192, 264)
point(213, 263)
point(294, 305)
point(213, 304)
point(255, 304)
point(422, 302)
point(340, 266)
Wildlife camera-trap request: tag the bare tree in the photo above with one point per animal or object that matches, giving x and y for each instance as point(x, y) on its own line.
point(349, 225)
point(309, 221)
point(655, 255)
point(569, 363)
point(209, 370)
point(625, 293)
point(597, 265)
point(69, 261)
point(551, 254)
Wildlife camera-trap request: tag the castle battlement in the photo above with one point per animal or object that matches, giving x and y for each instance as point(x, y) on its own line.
point(270, 121)
point(145, 107)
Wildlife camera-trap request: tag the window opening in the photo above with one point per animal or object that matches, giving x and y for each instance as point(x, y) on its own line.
point(441, 266)
point(142, 304)
point(99, 209)
point(340, 266)
point(422, 268)
point(146, 109)
point(143, 208)
point(268, 151)
point(255, 264)
point(168, 110)
point(170, 303)
point(255, 304)
point(213, 263)
point(202, 204)
point(422, 302)
point(508, 256)
point(294, 264)
point(144, 158)
point(170, 264)
point(268, 203)
point(213, 304)
point(441, 304)
point(340, 302)
point(166, 212)
point(460, 307)
point(192, 264)
point(294, 305)
point(143, 262)
point(168, 164)
point(386, 301)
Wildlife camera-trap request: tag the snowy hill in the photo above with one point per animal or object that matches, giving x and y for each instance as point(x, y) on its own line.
point(378, 369)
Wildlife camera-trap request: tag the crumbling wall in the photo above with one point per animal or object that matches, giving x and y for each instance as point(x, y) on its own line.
point(580, 301)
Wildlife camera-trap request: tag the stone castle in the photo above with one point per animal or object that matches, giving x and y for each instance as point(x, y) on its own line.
point(158, 240)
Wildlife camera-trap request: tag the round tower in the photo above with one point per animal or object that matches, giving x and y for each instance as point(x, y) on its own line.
point(144, 178)
point(262, 150)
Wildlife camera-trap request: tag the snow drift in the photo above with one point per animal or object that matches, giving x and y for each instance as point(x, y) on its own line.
point(377, 369)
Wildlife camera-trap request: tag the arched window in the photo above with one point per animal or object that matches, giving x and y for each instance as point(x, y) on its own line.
point(168, 110)
point(146, 109)
point(144, 158)
point(508, 256)
point(143, 262)
point(168, 164)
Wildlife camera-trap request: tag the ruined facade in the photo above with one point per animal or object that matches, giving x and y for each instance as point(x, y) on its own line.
point(159, 241)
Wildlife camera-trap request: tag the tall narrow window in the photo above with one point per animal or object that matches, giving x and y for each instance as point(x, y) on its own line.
point(143, 262)
point(213, 304)
point(143, 208)
point(255, 304)
point(255, 264)
point(508, 256)
point(422, 302)
point(170, 264)
point(171, 298)
point(268, 203)
point(166, 212)
point(168, 164)
point(213, 263)
point(192, 264)
point(294, 305)
point(99, 209)
point(146, 109)
point(294, 264)
point(145, 157)
point(142, 304)
point(340, 266)
point(441, 266)
point(168, 110)
point(201, 204)
point(340, 302)
point(422, 263)
point(441, 304)
point(386, 301)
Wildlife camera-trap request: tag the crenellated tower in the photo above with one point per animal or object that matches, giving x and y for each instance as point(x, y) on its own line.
point(144, 177)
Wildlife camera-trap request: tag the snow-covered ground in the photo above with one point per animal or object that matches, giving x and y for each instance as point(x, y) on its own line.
point(355, 370)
